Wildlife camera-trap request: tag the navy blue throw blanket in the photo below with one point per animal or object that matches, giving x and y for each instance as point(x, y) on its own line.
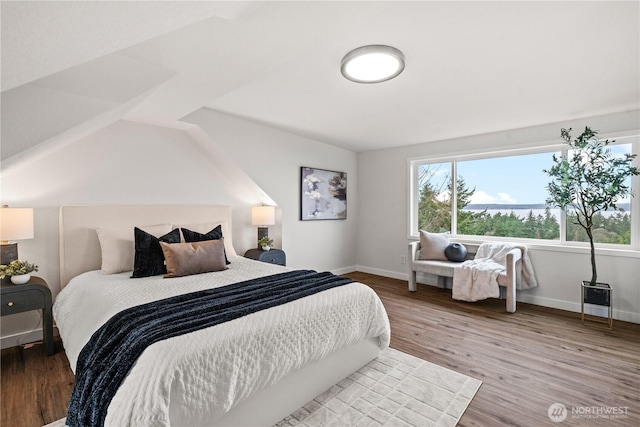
point(106, 359)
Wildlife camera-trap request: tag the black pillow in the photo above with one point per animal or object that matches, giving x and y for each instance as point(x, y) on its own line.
point(194, 236)
point(149, 258)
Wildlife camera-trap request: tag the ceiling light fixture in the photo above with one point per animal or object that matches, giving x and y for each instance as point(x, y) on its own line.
point(372, 64)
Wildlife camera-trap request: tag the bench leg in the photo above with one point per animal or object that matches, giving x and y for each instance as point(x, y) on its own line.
point(511, 297)
point(442, 282)
point(511, 283)
point(413, 283)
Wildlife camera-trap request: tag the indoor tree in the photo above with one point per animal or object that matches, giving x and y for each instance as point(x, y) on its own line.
point(589, 179)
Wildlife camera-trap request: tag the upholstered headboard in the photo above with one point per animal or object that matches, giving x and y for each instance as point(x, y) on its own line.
point(79, 245)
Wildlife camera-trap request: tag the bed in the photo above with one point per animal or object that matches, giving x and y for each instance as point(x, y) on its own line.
point(254, 370)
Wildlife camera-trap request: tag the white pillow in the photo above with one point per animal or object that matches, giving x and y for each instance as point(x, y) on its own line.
point(205, 227)
point(118, 247)
point(432, 245)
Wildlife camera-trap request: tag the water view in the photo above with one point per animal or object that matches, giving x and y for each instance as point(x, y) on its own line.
point(522, 210)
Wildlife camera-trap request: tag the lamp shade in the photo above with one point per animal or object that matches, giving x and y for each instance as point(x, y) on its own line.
point(263, 215)
point(16, 224)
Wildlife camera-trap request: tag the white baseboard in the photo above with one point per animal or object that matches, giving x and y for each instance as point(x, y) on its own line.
point(573, 306)
point(345, 270)
point(625, 316)
point(384, 273)
point(21, 339)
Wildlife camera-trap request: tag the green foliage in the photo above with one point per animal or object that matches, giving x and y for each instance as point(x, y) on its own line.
point(434, 206)
point(589, 180)
point(614, 229)
point(434, 210)
point(16, 268)
point(265, 241)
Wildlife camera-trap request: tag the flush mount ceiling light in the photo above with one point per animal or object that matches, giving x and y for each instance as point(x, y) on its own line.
point(372, 64)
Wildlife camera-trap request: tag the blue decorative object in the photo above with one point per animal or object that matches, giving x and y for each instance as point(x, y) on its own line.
point(456, 252)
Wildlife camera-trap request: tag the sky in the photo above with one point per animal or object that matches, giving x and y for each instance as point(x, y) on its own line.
point(508, 180)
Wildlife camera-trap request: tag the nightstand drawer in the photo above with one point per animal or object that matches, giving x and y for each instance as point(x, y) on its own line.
point(273, 258)
point(17, 302)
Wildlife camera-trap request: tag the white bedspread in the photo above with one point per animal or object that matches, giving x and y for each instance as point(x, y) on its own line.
point(208, 372)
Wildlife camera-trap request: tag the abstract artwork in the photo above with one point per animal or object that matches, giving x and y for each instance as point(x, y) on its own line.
point(323, 194)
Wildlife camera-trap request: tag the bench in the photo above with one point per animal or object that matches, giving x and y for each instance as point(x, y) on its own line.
point(444, 270)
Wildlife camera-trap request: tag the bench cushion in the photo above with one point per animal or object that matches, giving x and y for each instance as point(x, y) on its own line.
point(446, 268)
point(439, 268)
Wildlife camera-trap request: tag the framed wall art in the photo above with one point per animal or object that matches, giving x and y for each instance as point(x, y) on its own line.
point(323, 194)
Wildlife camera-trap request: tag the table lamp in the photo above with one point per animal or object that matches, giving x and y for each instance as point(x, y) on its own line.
point(263, 216)
point(15, 224)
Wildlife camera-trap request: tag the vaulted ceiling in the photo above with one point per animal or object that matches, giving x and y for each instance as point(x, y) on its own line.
point(70, 68)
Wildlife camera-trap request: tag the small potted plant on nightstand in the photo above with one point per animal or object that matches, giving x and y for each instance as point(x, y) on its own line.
point(265, 243)
point(19, 271)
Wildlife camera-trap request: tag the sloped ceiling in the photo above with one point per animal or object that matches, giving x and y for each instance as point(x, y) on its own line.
point(472, 67)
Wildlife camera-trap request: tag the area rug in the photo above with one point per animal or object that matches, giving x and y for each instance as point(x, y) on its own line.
point(396, 390)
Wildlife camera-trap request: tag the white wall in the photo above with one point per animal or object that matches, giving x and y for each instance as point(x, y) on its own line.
point(134, 163)
point(242, 163)
point(383, 206)
point(272, 158)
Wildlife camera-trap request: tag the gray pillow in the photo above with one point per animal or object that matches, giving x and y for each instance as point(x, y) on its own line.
point(432, 245)
point(184, 259)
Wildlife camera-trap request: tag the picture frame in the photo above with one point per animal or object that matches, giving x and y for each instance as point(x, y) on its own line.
point(323, 194)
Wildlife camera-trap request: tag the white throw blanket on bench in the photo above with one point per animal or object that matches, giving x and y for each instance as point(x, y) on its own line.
point(477, 279)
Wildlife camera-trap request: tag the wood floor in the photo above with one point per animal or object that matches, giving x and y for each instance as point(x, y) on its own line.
point(527, 361)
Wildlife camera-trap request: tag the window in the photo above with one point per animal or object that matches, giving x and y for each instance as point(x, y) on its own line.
point(434, 205)
point(608, 227)
point(504, 196)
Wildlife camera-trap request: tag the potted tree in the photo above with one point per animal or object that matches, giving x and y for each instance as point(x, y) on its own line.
point(589, 180)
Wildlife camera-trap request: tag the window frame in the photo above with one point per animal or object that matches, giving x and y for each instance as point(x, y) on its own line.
point(562, 244)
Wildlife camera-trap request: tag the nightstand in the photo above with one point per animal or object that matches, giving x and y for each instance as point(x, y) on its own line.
point(33, 295)
point(273, 256)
